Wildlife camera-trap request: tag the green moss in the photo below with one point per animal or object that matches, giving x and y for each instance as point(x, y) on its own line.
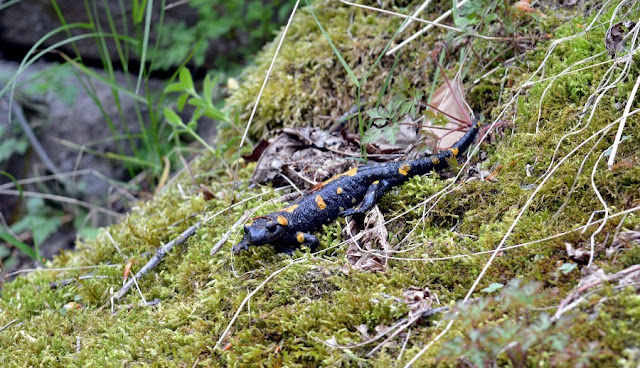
point(308, 86)
point(290, 320)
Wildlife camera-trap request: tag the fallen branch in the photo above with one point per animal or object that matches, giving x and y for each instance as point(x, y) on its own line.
point(216, 248)
point(150, 303)
point(8, 325)
point(157, 258)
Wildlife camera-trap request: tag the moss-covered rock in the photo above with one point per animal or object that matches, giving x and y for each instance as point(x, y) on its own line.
point(298, 316)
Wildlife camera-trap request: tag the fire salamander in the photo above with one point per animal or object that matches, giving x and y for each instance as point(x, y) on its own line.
point(352, 192)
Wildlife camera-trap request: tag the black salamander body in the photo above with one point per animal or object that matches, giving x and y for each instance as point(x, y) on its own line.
point(352, 192)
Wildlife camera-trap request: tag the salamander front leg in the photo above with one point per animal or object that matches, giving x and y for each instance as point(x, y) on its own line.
point(375, 191)
point(301, 239)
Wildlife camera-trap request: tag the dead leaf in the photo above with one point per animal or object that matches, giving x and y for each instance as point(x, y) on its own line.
point(258, 150)
point(614, 39)
point(418, 299)
point(451, 102)
point(207, 194)
point(626, 239)
point(364, 331)
point(368, 247)
point(523, 6)
point(305, 155)
point(594, 277)
point(579, 255)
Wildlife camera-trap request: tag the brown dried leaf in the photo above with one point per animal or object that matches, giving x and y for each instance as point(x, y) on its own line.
point(523, 6)
point(579, 255)
point(364, 331)
point(257, 151)
point(418, 299)
point(304, 155)
point(626, 239)
point(614, 39)
point(450, 101)
point(207, 194)
point(363, 242)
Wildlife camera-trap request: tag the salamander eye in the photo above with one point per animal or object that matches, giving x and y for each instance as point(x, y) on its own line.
point(272, 228)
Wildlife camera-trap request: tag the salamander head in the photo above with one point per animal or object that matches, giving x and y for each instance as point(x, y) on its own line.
point(263, 230)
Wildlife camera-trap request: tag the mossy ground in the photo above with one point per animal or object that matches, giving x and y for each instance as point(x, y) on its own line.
point(288, 320)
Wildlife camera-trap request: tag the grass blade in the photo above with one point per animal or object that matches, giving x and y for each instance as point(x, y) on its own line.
point(335, 50)
point(145, 43)
point(24, 248)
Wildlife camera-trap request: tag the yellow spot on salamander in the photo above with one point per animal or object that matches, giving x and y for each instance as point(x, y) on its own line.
point(376, 182)
point(435, 160)
point(249, 223)
point(404, 169)
point(291, 208)
point(300, 237)
point(351, 172)
point(339, 190)
point(282, 220)
point(320, 202)
point(454, 151)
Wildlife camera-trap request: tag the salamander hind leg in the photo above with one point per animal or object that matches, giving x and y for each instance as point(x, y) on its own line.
point(375, 191)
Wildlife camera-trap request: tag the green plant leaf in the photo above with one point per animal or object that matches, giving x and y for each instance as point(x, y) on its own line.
point(11, 145)
point(376, 113)
point(172, 117)
point(185, 79)
point(214, 113)
point(493, 287)
point(24, 248)
point(567, 267)
point(182, 100)
point(174, 87)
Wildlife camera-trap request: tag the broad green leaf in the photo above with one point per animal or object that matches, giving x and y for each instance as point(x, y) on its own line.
point(181, 101)
point(567, 267)
point(376, 113)
point(214, 113)
point(172, 117)
point(492, 288)
point(175, 87)
point(185, 79)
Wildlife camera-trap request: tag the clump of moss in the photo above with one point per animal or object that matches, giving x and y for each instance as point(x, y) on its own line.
point(308, 86)
point(295, 317)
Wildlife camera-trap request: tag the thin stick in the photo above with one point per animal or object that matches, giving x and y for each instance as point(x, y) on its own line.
point(244, 302)
point(616, 142)
point(157, 258)
point(216, 248)
point(427, 28)
point(133, 277)
point(8, 325)
point(40, 151)
point(415, 14)
point(431, 24)
point(58, 198)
